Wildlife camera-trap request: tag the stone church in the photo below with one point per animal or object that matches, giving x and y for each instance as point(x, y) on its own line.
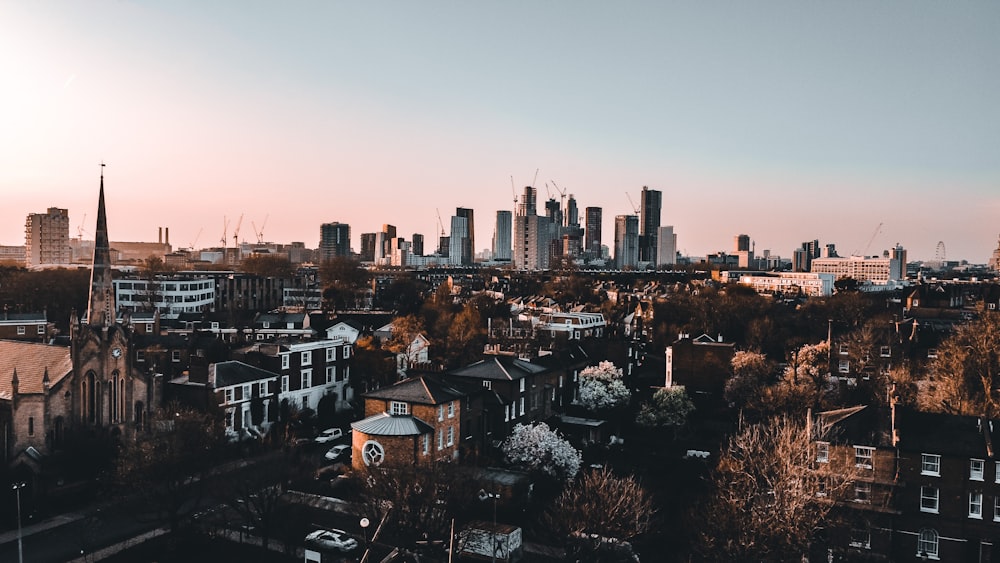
point(46, 389)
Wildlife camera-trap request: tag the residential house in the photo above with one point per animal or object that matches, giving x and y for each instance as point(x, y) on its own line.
point(414, 421)
point(246, 395)
point(24, 326)
point(310, 371)
point(702, 364)
point(268, 326)
point(348, 330)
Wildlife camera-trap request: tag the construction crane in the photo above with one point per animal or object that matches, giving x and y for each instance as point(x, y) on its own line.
point(440, 223)
point(513, 191)
point(196, 237)
point(236, 232)
point(79, 230)
point(225, 227)
point(635, 208)
point(562, 195)
point(259, 233)
point(878, 230)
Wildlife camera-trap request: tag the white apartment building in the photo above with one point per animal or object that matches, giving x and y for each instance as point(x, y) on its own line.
point(168, 295)
point(805, 283)
point(879, 270)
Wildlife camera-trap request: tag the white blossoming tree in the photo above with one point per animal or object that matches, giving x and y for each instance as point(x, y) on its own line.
point(538, 448)
point(601, 387)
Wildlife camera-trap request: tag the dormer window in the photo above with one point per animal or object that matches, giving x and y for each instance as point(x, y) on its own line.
point(399, 407)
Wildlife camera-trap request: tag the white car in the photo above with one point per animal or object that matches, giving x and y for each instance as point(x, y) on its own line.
point(329, 435)
point(337, 452)
point(332, 539)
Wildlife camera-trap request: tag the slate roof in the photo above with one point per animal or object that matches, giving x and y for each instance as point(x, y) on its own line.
point(31, 360)
point(385, 424)
point(946, 434)
point(499, 367)
point(235, 373)
point(860, 425)
point(421, 390)
point(13, 318)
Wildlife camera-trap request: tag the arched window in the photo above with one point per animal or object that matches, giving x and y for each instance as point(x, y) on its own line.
point(122, 408)
point(927, 543)
point(113, 399)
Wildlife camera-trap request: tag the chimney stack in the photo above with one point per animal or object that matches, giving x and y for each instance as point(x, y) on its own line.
point(160, 236)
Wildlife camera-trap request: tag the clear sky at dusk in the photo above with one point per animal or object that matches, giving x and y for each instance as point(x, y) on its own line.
point(788, 121)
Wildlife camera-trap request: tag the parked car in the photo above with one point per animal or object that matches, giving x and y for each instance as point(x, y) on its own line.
point(338, 451)
point(329, 435)
point(332, 539)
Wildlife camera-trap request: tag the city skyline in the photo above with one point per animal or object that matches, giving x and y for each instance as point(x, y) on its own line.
point(784, 121)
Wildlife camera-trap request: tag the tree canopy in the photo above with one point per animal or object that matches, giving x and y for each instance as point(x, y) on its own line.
point(540, 449)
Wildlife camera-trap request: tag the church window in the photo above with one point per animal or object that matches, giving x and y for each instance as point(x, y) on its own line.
point(31, 426)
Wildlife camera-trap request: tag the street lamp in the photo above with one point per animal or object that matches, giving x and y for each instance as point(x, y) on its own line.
point(364, 527)
point(20, 548)
point(483, 495)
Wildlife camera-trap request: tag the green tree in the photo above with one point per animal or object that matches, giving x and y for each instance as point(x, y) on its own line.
point(669, 408)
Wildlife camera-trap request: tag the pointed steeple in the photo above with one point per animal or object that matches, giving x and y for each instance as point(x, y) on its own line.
point(101, 311)
point(15, 382)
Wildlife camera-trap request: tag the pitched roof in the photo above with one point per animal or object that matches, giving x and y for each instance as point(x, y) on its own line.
point(385, 424)
point(235, 373)
point(947, 434)
point(499, 367)
point(31, 361)
point(422, 390)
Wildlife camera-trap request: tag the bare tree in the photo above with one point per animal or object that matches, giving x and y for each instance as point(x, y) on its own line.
point(966, 371)
point(768, 495)
point(599, 511)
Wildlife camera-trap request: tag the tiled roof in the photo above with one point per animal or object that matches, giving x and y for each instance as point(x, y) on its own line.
point(235, 373)
point(385, 424)
point(31, 360)
point(499, 367)
point(422, 390)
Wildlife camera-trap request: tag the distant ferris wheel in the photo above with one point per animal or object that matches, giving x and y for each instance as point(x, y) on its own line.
point(940, 255)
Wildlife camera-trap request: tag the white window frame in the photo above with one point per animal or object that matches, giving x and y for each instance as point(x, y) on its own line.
point(862, 453)
point(451, 409)
point(331, 354)
point(522, 406)
point(227, 396)
point(40, 329)
point(140, 355)
point(885, 351)
point(175, 356)
point(451, 435)
point(861, 538)
point(823, 452)
point(284, 384)
point(262, 389)
point(977, 469)
point(330, 375)
point(399, 407)
point(427, 444)
point(285, 362)
point(230, 418)
point(347, 352)
point(844, 366)
point(149, 327)
point(930, 499)
point(246, 392)
point(440, 413)
point(862, 492)
point(928, 541)
point(306, 379)
point(440, 441)
point(930, 464)
point(996, 508)
point(996, 473)
point(306, 357)
point(522, 385)
point(976, 505)
point(487, 384)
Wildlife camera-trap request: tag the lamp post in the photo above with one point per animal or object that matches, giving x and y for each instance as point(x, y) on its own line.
point(364, 528)
point(20, 548)
point(483, 495)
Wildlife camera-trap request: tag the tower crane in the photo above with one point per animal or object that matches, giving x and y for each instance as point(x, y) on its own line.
point(196, 237)
point(440, 223)
point(259, 233)
point(878, 230)
point(225, 227)
point(79, 230)
point(635, 208)
point(513, 191)
point(236, 232)
point(562, 194)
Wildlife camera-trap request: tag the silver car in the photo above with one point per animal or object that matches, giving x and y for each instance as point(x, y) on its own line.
point(332, 539)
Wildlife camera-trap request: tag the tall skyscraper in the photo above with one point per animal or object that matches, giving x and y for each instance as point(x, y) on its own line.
point(368, 242)
point(532, 234)
point(46, 238)
point(592, 238)
point(651, 202)
point(666, 241)
point(741, 243)
point(626, 241)
point(502, 248)
point(468, 242)
point(572, 212)
point(458, 242)
point(334, 240)
point(417, 248)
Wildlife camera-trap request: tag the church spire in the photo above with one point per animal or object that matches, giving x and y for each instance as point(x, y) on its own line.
point(101, 311)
